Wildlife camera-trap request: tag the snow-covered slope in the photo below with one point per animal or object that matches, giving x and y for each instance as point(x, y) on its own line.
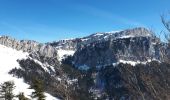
point(8, 61)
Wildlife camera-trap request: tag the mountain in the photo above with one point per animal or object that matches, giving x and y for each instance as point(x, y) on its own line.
point(100, 49)
point(122, 65)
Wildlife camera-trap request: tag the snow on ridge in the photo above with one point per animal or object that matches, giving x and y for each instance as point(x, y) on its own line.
point(133, 63)
point(130, 33)
point(105, 33)
point(125, 36)
point(84, 39)
point(112, 32)
point(98, 34)
point(131, 36)
point(67, 39)
point(62, 53)
point(8, 61)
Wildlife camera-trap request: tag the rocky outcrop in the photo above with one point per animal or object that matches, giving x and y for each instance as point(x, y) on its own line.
point(29, 46)
point(67, 44)
point(108, 52)
point(75, 44)
point(137, 44)
point(42, 52)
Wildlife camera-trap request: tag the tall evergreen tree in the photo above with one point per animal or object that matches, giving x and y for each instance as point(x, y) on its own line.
point(6, 90)
point(37, 85)
point(21, 96)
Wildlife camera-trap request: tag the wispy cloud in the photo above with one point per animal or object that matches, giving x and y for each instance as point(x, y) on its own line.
point(108, 15)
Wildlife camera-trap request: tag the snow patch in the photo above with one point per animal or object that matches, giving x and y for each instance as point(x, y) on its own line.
point(126, 36)
point(50, 97)
point(62, 53)
point(112, 32)
point(84, 39)
point(70, 82)
point(83, 67)
point(133, 63)
point(98, 34)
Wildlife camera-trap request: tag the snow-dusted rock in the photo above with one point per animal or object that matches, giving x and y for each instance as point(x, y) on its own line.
point(28, 46)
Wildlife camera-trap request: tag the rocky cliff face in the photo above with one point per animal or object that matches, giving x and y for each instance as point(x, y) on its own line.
point(66, 44)
point(102, 36)
point(29, 46)
point(106, 48)
point(42, 52)
point(137, 44)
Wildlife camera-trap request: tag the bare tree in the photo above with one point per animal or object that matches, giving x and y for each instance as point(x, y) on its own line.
point(166, 23)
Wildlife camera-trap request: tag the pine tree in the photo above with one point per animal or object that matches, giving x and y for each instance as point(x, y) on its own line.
point(37, 85)
point(6, 90)
point(21, 96)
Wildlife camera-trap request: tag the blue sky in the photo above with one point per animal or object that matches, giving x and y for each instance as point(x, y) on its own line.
point(49, 20)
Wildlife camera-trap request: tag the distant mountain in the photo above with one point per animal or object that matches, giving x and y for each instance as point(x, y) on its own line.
point(122, 65)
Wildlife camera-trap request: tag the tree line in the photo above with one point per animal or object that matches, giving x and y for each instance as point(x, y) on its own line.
point(7, 91)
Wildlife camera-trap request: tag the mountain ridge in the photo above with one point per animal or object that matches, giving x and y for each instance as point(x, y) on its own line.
point(74, 46)
point(124, 65)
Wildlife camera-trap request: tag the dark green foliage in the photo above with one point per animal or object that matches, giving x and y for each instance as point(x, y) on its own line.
point(68, 60)
point(6, 90)
point(149, 81)
point(31, 69)
point(37, 85)
point(113, 82)
point(50, 60)
point(21, 96)
point(70, 71)
point(145, 82)
point(80, 90)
